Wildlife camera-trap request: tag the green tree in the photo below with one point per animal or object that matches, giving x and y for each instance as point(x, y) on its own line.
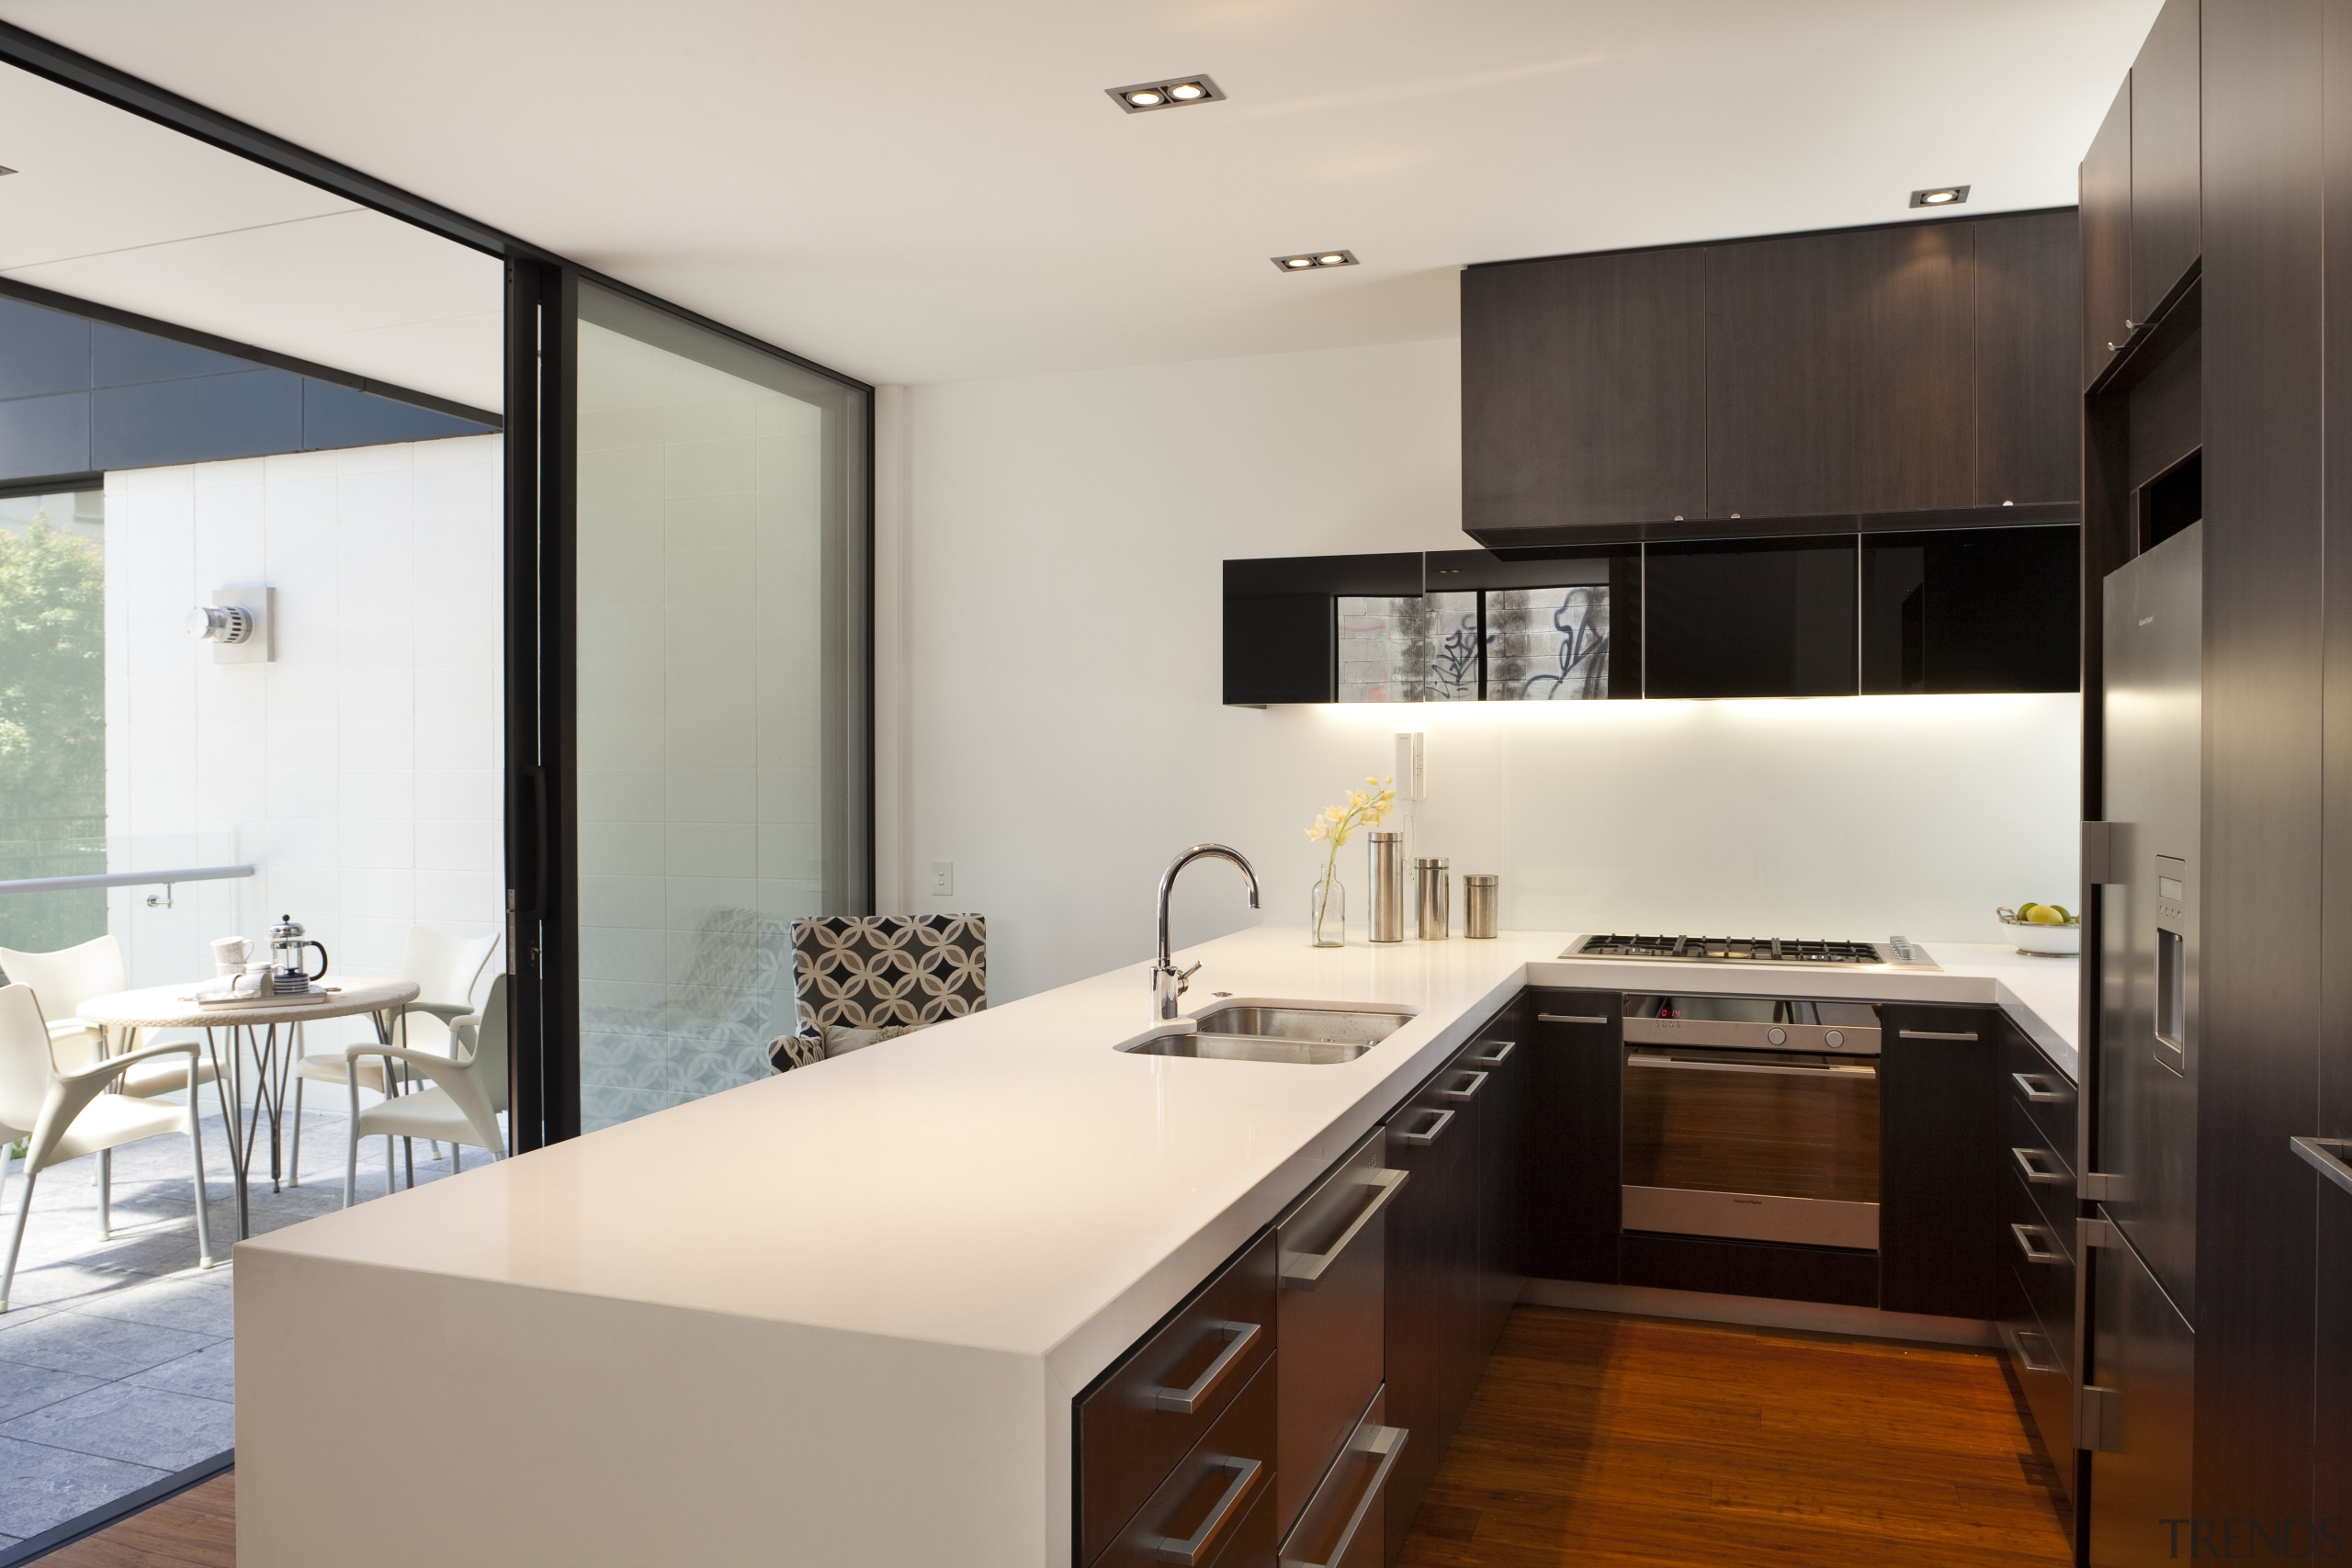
point(53, 731)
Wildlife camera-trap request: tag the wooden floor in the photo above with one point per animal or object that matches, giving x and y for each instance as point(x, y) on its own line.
point(1596, 1440)
point(1621, 1440)
point(196, 1528)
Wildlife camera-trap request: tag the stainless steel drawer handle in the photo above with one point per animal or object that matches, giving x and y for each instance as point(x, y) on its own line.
point(1470, 1085)
point(2327, 1156)
point(1383, 1443)
point(1302, 1270)
point(2038, 1166)
point(2034, 1250)
point(2037, 1089)
point(1428, 1134)
point(1934, 1035)
point(1566, 1018)
point(2047, 1362)
point(1195, 1549)
point(1188, 1401)
point(1499, 1053)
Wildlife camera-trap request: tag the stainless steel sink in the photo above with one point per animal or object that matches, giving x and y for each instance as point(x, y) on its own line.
point(1254, 1033)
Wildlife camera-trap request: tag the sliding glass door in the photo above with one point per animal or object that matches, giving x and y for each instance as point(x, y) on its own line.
point(720, 647)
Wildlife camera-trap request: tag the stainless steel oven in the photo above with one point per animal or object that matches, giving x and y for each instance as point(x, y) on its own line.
point(1753, 1119)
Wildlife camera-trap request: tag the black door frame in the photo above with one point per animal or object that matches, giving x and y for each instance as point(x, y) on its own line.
point(540, 688)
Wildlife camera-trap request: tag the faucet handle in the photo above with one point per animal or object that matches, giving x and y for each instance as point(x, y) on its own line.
point(1183, 974)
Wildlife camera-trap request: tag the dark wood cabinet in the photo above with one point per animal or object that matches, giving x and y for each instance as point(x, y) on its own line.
point(1575, 1086)
point(1433, 1309)
point(1938, 1153)
point(2167, 150)
point(1583, 391)
point(2106, 186)
point(1503, 1056)
point(1841, 373)
point(2028, 319)
point(1913, 367)
point(2038, 1282)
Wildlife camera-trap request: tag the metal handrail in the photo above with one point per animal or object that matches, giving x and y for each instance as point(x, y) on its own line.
point(125, 879)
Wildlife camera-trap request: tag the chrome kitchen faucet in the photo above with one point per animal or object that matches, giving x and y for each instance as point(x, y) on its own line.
point(1166, 985)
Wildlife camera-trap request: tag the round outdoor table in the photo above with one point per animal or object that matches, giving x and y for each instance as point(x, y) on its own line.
point(122, 1015)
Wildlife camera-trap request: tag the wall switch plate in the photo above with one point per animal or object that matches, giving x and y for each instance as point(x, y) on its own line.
point(943, 878)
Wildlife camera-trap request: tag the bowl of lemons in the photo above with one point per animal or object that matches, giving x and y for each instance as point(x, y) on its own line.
point(2045, 930)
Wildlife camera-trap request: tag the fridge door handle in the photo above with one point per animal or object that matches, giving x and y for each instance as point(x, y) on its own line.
point(2327, 1156)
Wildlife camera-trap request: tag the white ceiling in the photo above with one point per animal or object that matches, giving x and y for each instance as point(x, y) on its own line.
point(922, 190)
point(113, 208)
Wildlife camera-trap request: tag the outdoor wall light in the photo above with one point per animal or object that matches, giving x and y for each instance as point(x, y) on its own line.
point(240, 623)
point(1939, 196)
point(1172, 93)
point(1308, 261)
point(221, 623)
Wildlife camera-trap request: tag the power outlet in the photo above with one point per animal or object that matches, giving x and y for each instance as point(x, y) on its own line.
point(943, 879)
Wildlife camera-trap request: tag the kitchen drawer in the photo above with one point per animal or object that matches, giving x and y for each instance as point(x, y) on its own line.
point(1217, 1505)
point(1135, 1425)
point(2030, 1153)
point(2049, 1285)
point(1342, 1525)
point(1333, 1307)
point(2046, 1094)
point(2043, 1372)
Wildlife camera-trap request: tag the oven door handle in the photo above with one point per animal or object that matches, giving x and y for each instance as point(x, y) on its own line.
point(1843, 1069)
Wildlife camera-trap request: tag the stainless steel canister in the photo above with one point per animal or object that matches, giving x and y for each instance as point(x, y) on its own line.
point(1386, 915)
point(1436, 898)
point(1482, 897)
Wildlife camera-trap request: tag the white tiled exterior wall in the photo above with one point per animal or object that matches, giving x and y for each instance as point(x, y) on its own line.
point(360, 771)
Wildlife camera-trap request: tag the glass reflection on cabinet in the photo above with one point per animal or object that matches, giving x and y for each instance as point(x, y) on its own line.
point(1547, 644)
point(1407, 648)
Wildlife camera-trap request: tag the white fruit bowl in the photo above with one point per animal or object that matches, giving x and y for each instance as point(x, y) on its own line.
point(2042, 941)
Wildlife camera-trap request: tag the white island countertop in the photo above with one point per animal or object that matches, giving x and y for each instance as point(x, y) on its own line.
point(839, 1315)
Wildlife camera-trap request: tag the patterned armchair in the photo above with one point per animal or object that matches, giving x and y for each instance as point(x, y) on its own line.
point(880, 972)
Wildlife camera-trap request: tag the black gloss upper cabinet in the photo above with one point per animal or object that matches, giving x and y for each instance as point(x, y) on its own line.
point(1751, 618)
point(1278, 618)
point(2028, 319)
point(2167, 181)
point(1972, 609)
point(1841, 372)
point(2107, 238)
point(1583, 392)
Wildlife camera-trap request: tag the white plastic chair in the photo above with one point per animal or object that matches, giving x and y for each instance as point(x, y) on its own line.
point(65, 1115)
point(469, 1091)
point(63, 981)
point(446, 969)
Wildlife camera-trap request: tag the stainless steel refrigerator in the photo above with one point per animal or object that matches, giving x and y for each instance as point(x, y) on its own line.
point(2140, 1238)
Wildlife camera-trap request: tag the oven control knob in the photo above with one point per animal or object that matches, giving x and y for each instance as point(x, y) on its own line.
point(1777, 1036)
point(1834, 1039)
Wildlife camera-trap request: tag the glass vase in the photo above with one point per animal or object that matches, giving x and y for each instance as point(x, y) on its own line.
point(1327, 912)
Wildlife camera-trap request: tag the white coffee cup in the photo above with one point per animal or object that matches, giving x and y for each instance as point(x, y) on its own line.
point(229, 954)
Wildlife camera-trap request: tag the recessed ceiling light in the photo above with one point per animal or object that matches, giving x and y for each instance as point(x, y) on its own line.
point(1939, 196)
point(1173, 93)
point(1308, 261)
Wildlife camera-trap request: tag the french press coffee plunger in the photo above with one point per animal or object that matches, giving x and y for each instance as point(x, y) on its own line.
point(288, 975)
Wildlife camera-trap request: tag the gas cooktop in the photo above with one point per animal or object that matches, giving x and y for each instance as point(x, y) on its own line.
point(1894, 952)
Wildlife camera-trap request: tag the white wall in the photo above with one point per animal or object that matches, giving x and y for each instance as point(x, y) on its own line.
point(360, 771)
point(1064, 736)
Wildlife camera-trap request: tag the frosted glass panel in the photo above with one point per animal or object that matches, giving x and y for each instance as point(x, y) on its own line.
point(713, 796)
point(1547, 644)
point(1409, 649)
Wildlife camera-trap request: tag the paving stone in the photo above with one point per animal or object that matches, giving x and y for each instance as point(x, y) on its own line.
point(25, 1389)
point(98, 1347)
point(41, 1487)
point(134, 1424)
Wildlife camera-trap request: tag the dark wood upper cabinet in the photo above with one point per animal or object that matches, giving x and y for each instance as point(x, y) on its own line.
point(2167, 143)
point(2029, 317)
point(2106, 237)
point(1583, 391)
point(1841, 373)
